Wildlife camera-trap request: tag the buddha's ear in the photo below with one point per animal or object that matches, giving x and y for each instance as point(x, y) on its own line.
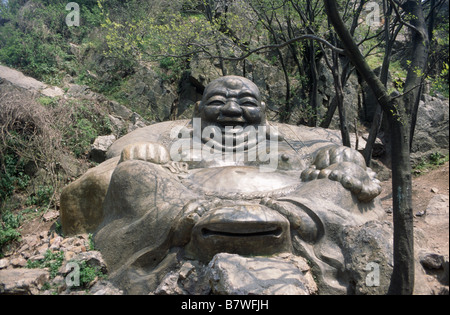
point(263, 112)
point(263, 106)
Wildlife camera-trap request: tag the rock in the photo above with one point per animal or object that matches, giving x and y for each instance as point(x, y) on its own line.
point(50, 216)
point(100, 147)
point(42, 249)
point(431, 261)
point(150, 93)
point(82, 92)
point(82, 200)
point(232, 274)
point(438, 210)
point(105, 288)
point(368, 252)
point(119, 110)
point(420, 213)
point(190, 279)
point(18, 79)
point(93, 259)
point(432, 128)
point(117, 124)
point(22, 281)
point(169, 285)
point(4, 263)
point(18, 262)
point(55, 243)
point(137, 122)
point(53, 91)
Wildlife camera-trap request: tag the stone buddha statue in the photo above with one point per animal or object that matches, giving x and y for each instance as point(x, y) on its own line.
point(227, 181)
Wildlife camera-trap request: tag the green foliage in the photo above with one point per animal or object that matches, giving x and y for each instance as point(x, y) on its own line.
point(12, 176)
point(52, 260)
point(37, 40)
point(9, 224)
point(440, 83)
point(434, 161)
point(87, 124)
point(48, 101)
point(91, 241)
point(42, 197)
point(89, 273)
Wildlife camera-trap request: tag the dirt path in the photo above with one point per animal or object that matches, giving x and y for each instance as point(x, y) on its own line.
point(431, 216)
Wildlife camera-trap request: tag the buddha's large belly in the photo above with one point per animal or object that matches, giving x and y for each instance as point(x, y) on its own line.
point(242, 180)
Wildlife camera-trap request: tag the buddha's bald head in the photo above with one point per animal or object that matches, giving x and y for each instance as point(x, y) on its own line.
point(231, 101)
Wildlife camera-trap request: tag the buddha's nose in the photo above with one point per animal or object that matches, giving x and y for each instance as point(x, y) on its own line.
point(232, 109)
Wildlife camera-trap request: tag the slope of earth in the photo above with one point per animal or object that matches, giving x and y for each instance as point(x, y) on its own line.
point(431, 222)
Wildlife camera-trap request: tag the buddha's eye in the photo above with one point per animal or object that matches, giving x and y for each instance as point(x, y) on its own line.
point(248, 102)
point(216, 103)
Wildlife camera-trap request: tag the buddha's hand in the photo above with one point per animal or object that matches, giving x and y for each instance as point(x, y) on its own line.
point(189, 216)
point(146, 151)
point(347, 166)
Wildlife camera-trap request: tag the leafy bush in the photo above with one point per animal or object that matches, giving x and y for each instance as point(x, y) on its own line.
point(52, 260)
point(37, 40)
point(89, 273)
point(9, 224)
point(42, 197)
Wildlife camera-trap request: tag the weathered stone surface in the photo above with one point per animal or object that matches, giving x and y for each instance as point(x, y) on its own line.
point(4, 263)
point(22, 281)
point(93, 259)
point(432, 128)
point(20, 80)
point(432, 261)
point(231, 274)
point(189, 279)
point(53, 91)
point(437, 210)
point(100, 147)
point(433, 119)
point(368, 252)
point(154, 211)
point(105, 288)
point(50, 215)
point(81, 201)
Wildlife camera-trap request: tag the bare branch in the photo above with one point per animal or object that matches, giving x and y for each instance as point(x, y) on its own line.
point(394, 6)
point(259, 49)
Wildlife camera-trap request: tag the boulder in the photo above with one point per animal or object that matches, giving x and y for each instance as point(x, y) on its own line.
point(437, 211)
point(22, 281)
point(432, 128)
point(368, 252)
point(100, 147)
point(82, 201)
point(232, 274)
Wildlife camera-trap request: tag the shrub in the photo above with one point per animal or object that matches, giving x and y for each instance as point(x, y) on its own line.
point(9, 224)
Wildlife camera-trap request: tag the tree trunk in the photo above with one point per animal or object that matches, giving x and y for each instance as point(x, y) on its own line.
point(402, 281)
point(419, 61)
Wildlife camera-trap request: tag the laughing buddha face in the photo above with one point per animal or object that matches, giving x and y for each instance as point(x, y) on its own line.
point(231, 101)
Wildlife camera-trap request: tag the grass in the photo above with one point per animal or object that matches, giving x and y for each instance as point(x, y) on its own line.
point(434, 161)
point(9, 233)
